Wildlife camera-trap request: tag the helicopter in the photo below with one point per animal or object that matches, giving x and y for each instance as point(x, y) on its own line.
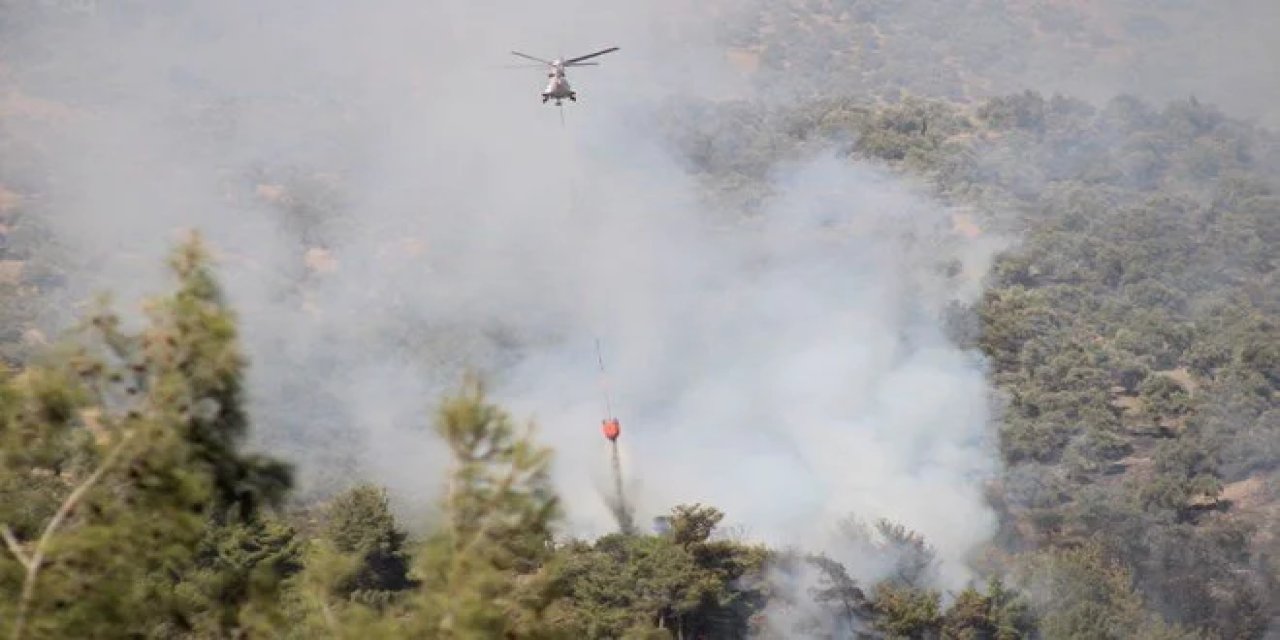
point(558, 86)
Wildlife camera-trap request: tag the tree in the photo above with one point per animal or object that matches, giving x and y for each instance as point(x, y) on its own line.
point(680, 581)
point(998, 614)
point(840, 592)
point(238, 577)
point(1085, 594)
point(482, 571)
point(359, 522)
point(906, 612)
point(914, 561)
point(143, 434)
point(693, 524)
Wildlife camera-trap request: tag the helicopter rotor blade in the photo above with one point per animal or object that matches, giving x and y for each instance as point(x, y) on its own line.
point(591, 55)
point(525, 55)
point(582, 64)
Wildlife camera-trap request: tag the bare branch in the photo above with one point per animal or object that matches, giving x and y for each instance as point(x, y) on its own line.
point(36, 561)
point(14, 546)
point(330, 620)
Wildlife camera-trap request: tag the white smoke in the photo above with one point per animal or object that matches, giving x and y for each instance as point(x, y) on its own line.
point(789, 369)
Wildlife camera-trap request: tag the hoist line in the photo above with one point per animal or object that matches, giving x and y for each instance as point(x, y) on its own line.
point(604, 383)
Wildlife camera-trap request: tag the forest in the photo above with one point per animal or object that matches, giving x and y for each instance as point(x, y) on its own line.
point(1130, 335)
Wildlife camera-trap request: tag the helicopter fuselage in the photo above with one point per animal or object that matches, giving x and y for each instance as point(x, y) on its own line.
point(558, 87)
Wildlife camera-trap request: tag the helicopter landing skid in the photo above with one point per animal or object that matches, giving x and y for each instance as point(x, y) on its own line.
point(573, 97)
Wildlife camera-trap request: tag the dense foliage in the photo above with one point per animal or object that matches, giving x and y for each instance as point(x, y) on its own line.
point(1133, 331)
point(124, 451)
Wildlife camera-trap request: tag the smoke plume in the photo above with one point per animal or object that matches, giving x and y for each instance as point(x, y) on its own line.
point(391, 207)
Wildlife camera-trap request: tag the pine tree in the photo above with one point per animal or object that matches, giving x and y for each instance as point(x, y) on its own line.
point(998, 614)
point(1089, 595)
point(136, 439)
point(483, 571)
point(359, 522)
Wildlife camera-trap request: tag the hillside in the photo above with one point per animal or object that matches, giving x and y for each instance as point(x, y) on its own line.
point(1133, 332)
point(1128, 331)
point(973, 50)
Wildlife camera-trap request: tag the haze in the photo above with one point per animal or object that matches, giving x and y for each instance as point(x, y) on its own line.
point(790, 369)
